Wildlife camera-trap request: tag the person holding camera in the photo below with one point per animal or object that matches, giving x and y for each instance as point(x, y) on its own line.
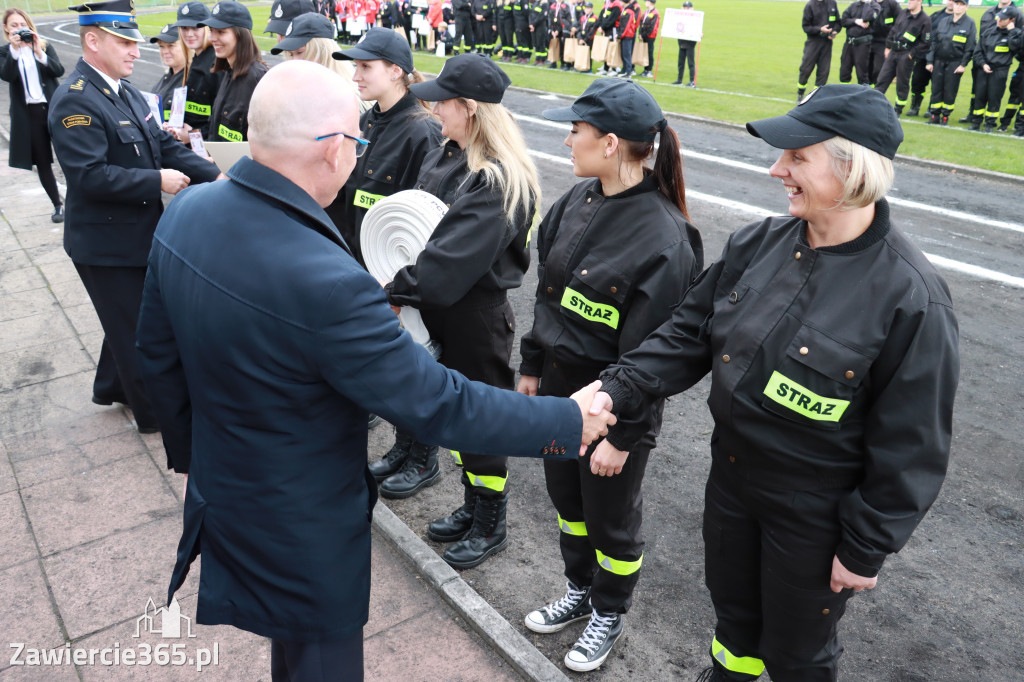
point(31, 68)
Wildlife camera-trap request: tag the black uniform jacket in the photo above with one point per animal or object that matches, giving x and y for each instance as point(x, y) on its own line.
point(989, 17)
point(605, 283)
point(20, 154)
point(476, 247)
point(910, 32)
point(229, 118)
point(865, 10)
point(817, 13)
point(112, 158)
point(165, 88)
point(890, 9)
point(830, 368)
point(202, 91)
point(953, 41)
point(995, 47)
point(399, 138)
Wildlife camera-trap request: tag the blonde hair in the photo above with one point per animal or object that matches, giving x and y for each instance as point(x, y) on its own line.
point(494, 136)
point(319, 50)
point(866, 175)
point(28, 20)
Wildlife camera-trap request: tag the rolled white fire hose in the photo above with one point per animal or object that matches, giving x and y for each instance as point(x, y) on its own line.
point(394, 231)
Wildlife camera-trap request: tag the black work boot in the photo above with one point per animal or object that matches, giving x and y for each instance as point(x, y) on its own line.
point(799, 94)
point(936, 118)
point(487, 536)
point(899, 109)
point(392, 460)
point(990, 124)
point(975, 124)
point(915, 105)
point(454, 527)
point(969, 118)
point(419, 470)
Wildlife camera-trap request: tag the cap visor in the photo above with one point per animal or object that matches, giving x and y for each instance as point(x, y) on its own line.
point(187, 23)
point(215, 23)
point(356, 53)
point(164, 38)
point(129, 33)
point(785, 132)
point(561, 114)
point(276, 26)
point(430, 91)
point(289, 44)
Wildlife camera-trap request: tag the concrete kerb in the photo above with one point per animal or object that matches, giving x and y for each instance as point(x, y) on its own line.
point(481, 616)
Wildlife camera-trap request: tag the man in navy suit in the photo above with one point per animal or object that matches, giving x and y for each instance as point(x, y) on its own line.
point(117, 159)
point(264, 345)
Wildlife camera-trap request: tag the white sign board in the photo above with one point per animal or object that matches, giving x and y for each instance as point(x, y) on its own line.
point(684, 24)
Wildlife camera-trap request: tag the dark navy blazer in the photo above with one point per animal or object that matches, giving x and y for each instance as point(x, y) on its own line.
point(264, 344)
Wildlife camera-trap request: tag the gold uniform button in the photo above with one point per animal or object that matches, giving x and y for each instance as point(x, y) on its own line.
point(849, 374)
point(726, 358)
point(804, 350)
point(551, 290)
point(825, 612)
point(588, 200)
point(732, 459)
point(583, 273)
point(614, 290)
point(733, 297)
point(449, 155)
point(369, 172)
point(388, 178)
point(798, 255)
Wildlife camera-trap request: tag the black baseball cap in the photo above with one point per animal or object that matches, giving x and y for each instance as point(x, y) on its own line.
point(191, 14)
point(227, 14)
point(855, 112)
point(615, 106)
point(114, 16)
point(283, 12)
point(380, 43)
point(962, 2)
point(1005, 13)
point(469, 75)
point(687, 4)
point(304, 28)
point(168, 34)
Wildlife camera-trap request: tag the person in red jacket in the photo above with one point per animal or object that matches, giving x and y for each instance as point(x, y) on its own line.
point(649, 25)
point(370, 8)
point(629, 22)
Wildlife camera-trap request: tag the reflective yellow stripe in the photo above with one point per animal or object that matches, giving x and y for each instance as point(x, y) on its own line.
point(572, 527)
point(959, 39)
point(584, 307)
point(365, 199)
point(792, 395)
point(909, 37)
point(616, 566)
point(457, 457)
point(495, 483)
point(167, 115)
point(229, 134)
point(1002, 48)
point(198, 109)
point(746, 665)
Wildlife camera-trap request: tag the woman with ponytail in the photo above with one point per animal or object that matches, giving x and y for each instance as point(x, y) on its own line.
point(615, 255)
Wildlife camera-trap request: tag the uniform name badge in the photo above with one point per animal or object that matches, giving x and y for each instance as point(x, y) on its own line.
point(177, 118)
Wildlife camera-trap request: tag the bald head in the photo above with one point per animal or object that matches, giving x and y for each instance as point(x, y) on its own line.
point(296, 102)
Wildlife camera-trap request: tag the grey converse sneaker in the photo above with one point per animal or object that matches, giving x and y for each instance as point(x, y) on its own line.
point(574, 606)
point(595, 643)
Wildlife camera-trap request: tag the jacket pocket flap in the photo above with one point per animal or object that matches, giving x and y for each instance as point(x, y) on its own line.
point(829, 357)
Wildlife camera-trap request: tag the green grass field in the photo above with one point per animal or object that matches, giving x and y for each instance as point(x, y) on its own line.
point(747, 70)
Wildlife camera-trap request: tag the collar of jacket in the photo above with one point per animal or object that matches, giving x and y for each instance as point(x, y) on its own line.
point(408, 100)
point(92, 75)
point(267, 182)
point(876, 232)
point(648, 184)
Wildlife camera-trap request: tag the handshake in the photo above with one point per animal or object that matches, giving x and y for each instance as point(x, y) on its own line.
point(595, 408)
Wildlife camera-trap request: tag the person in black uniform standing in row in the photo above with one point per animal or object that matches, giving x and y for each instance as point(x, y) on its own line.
point(889, 10)
point(989, 19)
point(994, 55)
point(951, 50)
point(202, 84)
point(604, 283)
point(116, 159)
point(31, 69)
point(172, 54)
point(688, 48)
point(821, 23)
point(521, 22)
point(921, 77)
point(478, 251)
point(240, 67)
point(832, 346)
point(907, 40)
point(506, 26)
point(463, 15)
point(539, 30)
point(483, 16)
point(859, 19)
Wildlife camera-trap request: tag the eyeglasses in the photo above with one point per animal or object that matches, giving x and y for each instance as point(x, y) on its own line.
point(361, 144)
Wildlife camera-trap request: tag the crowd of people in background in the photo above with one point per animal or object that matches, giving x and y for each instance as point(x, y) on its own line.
point(885, 43)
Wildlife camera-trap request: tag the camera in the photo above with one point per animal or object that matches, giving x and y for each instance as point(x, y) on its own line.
point(26, 36)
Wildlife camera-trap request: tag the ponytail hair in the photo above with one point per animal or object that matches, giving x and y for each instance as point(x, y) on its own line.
point(668, 164)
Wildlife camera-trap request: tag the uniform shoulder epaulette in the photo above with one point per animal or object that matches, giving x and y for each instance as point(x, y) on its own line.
point(78, 84)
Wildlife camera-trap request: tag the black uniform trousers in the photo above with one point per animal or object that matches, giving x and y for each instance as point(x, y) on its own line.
point(340, 661)
point(484, 36)
point(898, 65)
point(920, 77)
point(476, 336)
point(597, 513)
point(768, 564)
point(858, 56)
point(464, 30)
point(876, 59)
point(523, 37)
point(1016, 94)
point(687, 49)
point(817, 55)
point(42, 158)
point(988, 91)
point(945, 84)
point(507, 33)
point(116, 294)
point(541, 40)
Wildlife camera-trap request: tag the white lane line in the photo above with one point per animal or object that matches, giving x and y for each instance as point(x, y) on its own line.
point(760, 170)
point(939, 261)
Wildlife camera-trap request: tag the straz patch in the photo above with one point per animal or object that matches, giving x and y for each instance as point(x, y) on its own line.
point(365, 199)
point(76, 120)
point(803, 401)
point(584, 307)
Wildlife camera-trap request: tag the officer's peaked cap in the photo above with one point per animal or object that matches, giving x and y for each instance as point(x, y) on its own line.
point(113, 16)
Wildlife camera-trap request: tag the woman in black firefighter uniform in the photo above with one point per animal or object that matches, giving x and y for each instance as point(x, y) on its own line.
point(401, 132)
point(238, 58)
point(604, 282)
point(833, 351)
point(459, 282)
point(202, 84)
point(994, 57)
point(950, 51)
point(173, 56)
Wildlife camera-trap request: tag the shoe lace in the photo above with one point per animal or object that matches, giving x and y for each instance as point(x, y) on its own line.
point(596, 632)
point(566, 604)
point(709, 674)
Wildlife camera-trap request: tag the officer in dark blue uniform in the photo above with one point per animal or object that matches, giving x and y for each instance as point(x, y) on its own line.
point(116, 159)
